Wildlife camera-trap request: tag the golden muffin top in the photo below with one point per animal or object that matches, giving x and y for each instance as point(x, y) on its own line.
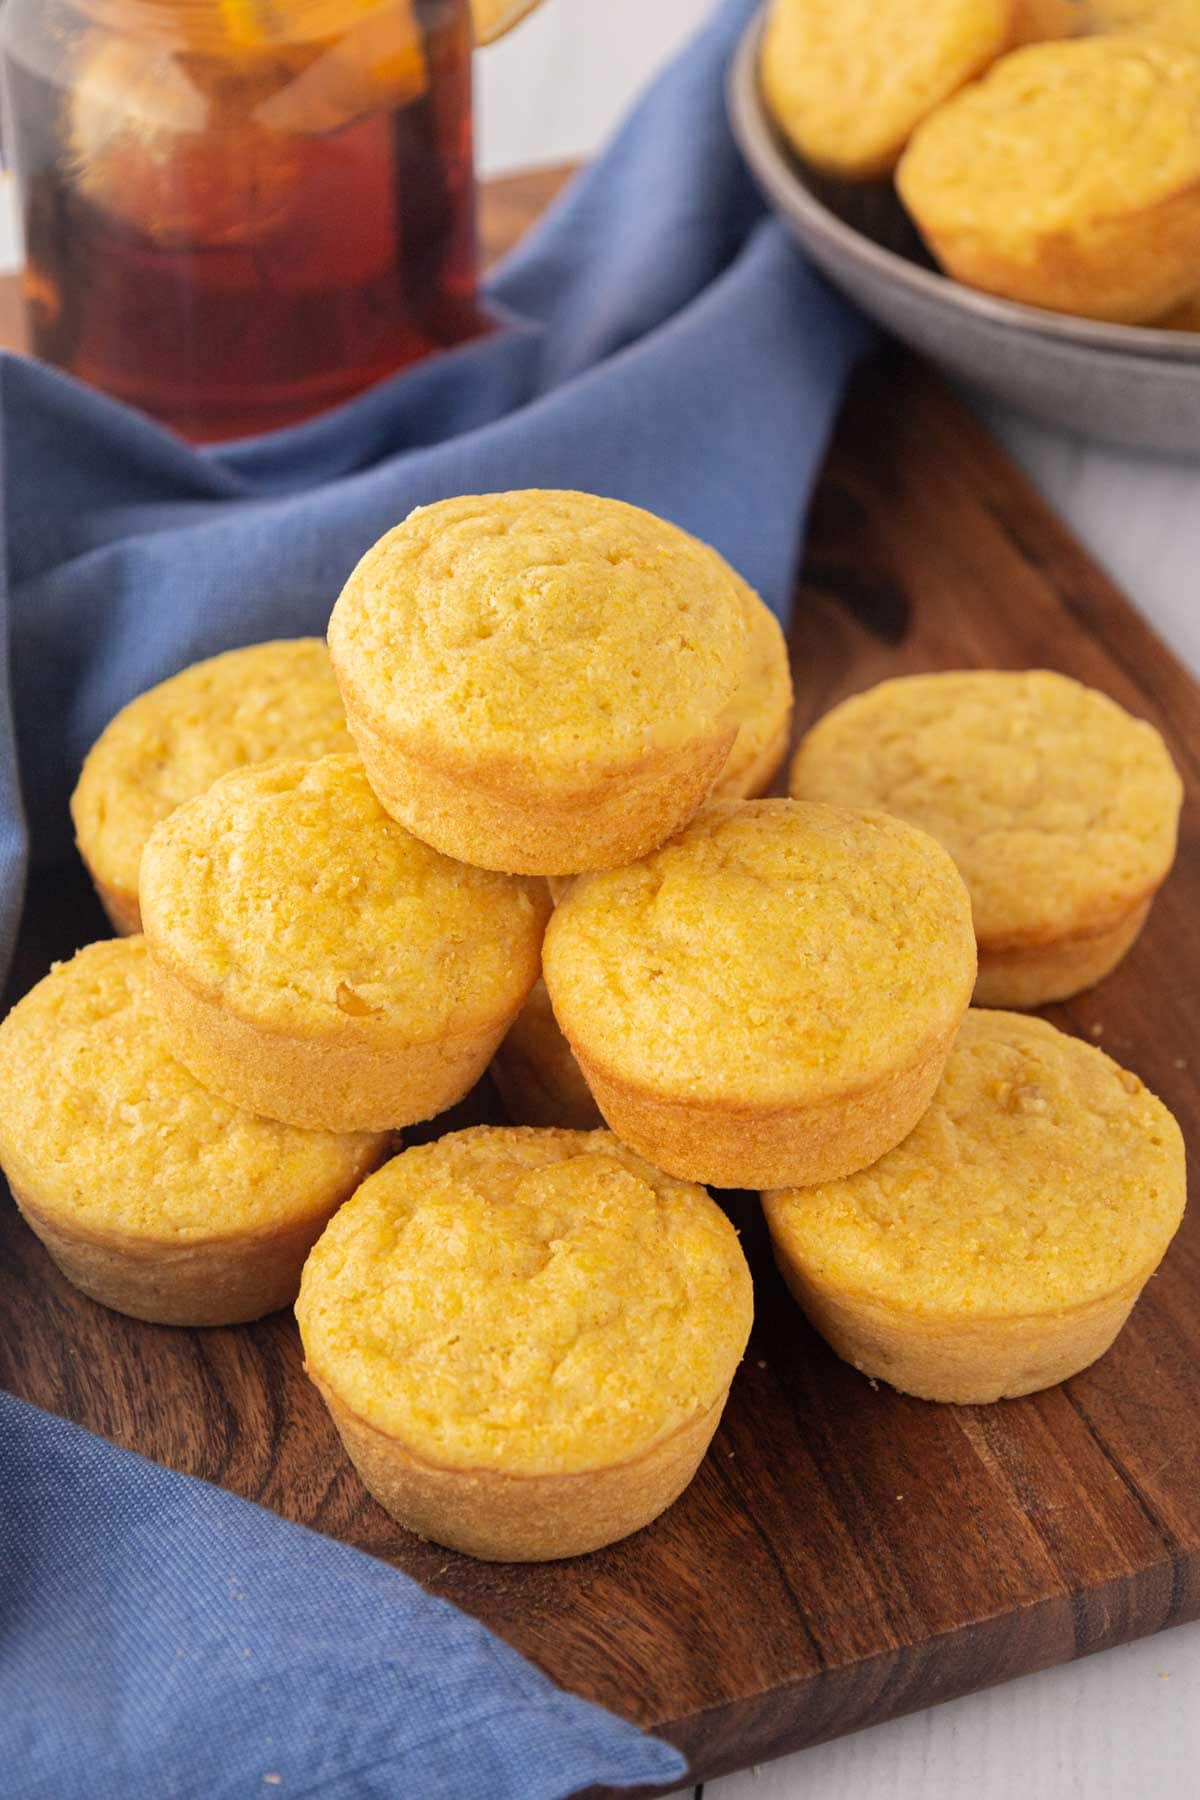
point(848, 82)
point(1043, 1176)
point(105, 1129)
point(1059, 137)
point(1175, 21)
point(771, 950)
point(762, 705)
point(550, 634)
point(173, 742)
point(530, 1301)
point(1058, 807)
point(1184, 317)
point(1034, 21)
point(289, 892)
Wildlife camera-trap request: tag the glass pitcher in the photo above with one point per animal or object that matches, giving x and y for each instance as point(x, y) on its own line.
point(237, 212)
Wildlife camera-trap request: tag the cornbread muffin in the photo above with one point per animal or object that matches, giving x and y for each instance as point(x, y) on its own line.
point(1185, 317)
point(1059, 808)
point(1068, 178)
point(537, 1078)
point(762, 706)
point(848, 83)
point(316, 963)
point(1039, 21)
point(171, 743)
point(1001, 1246)
point(1174, 21)
point(525, 1338)
point(540, 682)
point(762, 709)
point(152, 1195)
point(775, 990)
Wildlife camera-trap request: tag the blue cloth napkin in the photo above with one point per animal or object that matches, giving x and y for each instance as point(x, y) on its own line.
point(662, 342)
point(163, 1640)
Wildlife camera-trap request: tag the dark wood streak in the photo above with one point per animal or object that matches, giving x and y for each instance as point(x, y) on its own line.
point(845, 1554)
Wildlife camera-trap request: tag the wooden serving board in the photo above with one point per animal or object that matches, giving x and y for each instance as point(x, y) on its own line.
point(845, 1554)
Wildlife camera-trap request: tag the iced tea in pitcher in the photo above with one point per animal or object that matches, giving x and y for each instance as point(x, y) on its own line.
point(238, 212)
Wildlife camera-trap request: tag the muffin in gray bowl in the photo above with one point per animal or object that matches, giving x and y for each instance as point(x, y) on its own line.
point(1132, 385)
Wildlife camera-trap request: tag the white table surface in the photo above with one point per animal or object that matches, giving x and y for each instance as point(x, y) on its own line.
point(1123, 1725)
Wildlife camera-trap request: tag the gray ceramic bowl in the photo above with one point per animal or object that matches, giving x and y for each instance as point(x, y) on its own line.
point(1129, 384)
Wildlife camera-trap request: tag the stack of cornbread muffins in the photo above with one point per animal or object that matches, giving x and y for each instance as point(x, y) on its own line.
point(509, 817)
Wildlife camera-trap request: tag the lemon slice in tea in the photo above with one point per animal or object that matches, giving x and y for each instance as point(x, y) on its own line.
point(251, 23)
point(494, 17)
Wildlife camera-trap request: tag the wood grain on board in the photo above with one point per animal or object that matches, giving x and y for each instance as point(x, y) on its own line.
point(845, 1553)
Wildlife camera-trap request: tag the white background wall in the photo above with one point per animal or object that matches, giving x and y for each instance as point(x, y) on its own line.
point(557, 84)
